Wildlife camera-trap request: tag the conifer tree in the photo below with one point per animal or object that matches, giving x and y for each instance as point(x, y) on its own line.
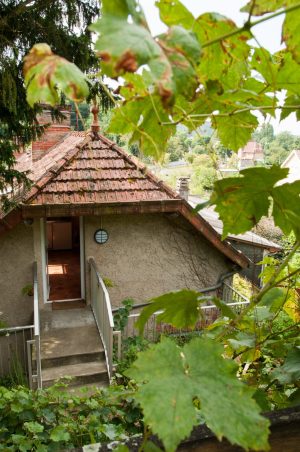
point(23, 23)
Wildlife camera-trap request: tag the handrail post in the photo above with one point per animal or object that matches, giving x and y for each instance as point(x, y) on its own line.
point(36, 342)
point(101, 307)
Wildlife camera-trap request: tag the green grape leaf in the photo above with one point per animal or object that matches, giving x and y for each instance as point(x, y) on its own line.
point(288, 76)
point(33, 427)
point(218, 58)
point(121, 55)
point(263, 6)
point(292, 101)
point(294, 399)
point(242, 340)
point(274, 299)
point(59, 433)
point(224, 308)
point(138, 119)
point(289, 372)
point(236, 130)
point(173, 377)
point(291, 35)
point(151, 447)
point(241, 202)
point(266, 64)
point(170, 57)
point(121, 448)
point(173, 12)
point(46, 74)
point(183, 52)
point(122, 9)
point(286, 207)
point(181, 309)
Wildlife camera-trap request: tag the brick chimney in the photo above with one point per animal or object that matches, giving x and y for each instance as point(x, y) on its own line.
point(183, 187)
point(54, 133)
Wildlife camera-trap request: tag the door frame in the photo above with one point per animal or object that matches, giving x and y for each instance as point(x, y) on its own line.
point(44, 260)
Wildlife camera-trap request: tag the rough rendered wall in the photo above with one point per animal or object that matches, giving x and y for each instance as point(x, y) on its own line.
point(16, 258)
point(148, 255)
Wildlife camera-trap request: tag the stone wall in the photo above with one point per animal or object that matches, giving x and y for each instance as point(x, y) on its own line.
point(16, 259)
point(151, 254)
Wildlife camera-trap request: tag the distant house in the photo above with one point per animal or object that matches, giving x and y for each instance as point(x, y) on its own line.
point(250, 155)
point(292, 162)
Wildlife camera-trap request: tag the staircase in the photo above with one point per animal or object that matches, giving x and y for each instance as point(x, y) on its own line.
point(71, 346)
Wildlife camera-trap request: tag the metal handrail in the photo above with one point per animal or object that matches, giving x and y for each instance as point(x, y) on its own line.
point(102, 311)
point(37, 336)
point(239, 295)
point(217, 286)
point(14, 329)
point(35, 343)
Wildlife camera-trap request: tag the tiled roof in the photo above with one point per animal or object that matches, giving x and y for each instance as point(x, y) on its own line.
point(88, 171)
point(251, 151)
point(97, 171)
point(39, 168)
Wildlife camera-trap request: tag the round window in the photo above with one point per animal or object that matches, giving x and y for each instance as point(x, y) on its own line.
point(101, 236)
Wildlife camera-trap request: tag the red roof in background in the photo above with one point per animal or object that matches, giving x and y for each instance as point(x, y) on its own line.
point(94, 170)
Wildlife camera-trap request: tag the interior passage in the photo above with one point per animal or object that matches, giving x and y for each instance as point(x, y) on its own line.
point(63, 240)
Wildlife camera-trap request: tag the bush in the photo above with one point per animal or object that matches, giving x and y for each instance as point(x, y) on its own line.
point(54, 419)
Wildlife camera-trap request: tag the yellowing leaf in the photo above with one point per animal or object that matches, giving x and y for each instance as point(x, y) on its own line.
point(171, 58)
point(46, 74)
point(292, 306)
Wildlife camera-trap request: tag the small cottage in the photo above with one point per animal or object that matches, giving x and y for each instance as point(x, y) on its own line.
point(89, 198)
point(98, 228)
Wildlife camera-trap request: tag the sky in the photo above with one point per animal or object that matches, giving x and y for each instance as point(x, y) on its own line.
point(268, 34)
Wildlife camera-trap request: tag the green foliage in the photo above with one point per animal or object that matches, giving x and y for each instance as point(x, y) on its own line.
point(54, 419)
point(204, 68)
point(181, 309)
point(209, 51)
point(130, 349)
point(27, 290)
point(289, 372)
point(46, 75)
point(276, 147)
point(241, 202)
point(174, 376)
point(63, 25)
point(16, 375)
point(121, 316)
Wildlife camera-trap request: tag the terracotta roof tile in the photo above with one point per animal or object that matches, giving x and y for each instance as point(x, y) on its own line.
point(96, 172)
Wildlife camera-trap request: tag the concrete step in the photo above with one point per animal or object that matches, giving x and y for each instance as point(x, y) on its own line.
point(69, 318)
point(67, 345)
point(82, 374)
point(71, 346)
point(59, 361)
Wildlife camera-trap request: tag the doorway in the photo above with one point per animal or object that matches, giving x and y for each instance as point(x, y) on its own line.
point(63, 259)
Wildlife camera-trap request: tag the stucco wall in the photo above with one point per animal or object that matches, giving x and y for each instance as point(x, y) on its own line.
point(148, 255)
point(16, 258)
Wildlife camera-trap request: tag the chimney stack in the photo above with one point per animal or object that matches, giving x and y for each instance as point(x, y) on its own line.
point(183, 187)
point(54, 133)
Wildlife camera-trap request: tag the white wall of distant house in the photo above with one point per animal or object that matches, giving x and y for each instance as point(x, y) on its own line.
point(293, 164)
